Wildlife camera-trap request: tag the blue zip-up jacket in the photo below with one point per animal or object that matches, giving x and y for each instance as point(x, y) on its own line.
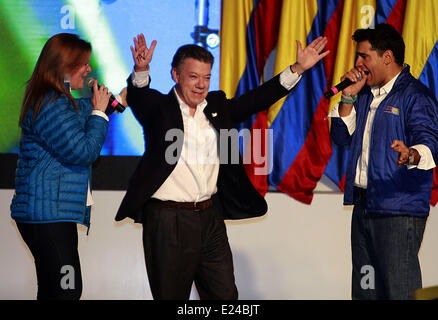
point(54, 162)
point(410, 114)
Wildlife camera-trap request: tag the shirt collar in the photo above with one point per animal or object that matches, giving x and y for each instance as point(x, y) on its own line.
point(376, 91)
point(185, 109)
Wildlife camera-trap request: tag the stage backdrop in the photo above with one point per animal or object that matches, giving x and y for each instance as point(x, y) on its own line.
point(256, 39)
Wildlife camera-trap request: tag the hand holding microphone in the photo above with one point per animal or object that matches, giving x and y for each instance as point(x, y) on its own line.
point(103, 101)
point(353, 81)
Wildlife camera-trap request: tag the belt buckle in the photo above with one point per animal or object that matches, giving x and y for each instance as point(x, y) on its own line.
point(195, 207)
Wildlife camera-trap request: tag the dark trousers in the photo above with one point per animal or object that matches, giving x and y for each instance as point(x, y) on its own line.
point(385, 254)
point(182, 246)
point(54, 247)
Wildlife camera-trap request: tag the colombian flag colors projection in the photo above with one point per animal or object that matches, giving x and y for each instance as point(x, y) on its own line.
point(259, 41)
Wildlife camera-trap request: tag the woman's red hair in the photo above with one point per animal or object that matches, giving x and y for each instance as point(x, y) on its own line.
point(60, 56)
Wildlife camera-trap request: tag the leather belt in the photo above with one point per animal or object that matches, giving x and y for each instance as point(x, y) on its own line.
point(195, 206)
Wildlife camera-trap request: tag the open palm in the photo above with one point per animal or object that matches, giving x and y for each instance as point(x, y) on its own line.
point(308, 57)
point(141, 54)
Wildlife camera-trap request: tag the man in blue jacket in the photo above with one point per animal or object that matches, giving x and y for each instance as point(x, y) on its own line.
point(383, 112)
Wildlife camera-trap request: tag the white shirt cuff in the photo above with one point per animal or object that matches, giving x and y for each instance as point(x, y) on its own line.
point(350, 120)
point(289, 79)
point(426, 160)
point(100, 114)
point(140, 79)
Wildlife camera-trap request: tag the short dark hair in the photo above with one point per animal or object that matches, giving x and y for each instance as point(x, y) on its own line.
point(191, 51)
point(383, 37)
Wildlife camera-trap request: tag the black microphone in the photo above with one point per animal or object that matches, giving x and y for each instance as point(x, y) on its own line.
point(113, 104)
point(340, 86)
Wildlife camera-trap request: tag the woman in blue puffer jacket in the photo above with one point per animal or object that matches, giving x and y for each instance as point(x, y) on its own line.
point(61, 137)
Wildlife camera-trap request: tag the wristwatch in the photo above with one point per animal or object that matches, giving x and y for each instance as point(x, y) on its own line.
point(411, 158)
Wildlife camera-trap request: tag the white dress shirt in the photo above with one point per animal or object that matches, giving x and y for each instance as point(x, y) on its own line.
point(194, 178)
point(361, 179)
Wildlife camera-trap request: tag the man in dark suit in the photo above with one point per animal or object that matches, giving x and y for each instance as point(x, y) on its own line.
point(183, 189)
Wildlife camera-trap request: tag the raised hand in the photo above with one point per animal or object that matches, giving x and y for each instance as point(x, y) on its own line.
point(141, 54)
point(308, 57)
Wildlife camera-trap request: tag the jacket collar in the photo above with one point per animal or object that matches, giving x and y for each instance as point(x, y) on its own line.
point(211, 110)
point(185, 109)
point(376, 91)
point(402, 78)
point(399, 83)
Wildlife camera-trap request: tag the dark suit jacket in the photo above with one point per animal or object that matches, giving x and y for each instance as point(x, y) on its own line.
point(157, 113)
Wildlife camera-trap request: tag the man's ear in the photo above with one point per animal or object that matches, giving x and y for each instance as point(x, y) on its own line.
point(175, 75)
point(388, 56)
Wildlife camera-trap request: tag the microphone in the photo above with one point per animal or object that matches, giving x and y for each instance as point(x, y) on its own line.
point(113, 104)
point(340, 86)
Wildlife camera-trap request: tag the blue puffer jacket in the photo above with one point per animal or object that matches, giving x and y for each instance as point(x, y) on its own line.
point(54, 162)
point(410, 114)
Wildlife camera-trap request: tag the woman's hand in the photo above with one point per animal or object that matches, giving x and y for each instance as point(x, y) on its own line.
point(100, 97)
